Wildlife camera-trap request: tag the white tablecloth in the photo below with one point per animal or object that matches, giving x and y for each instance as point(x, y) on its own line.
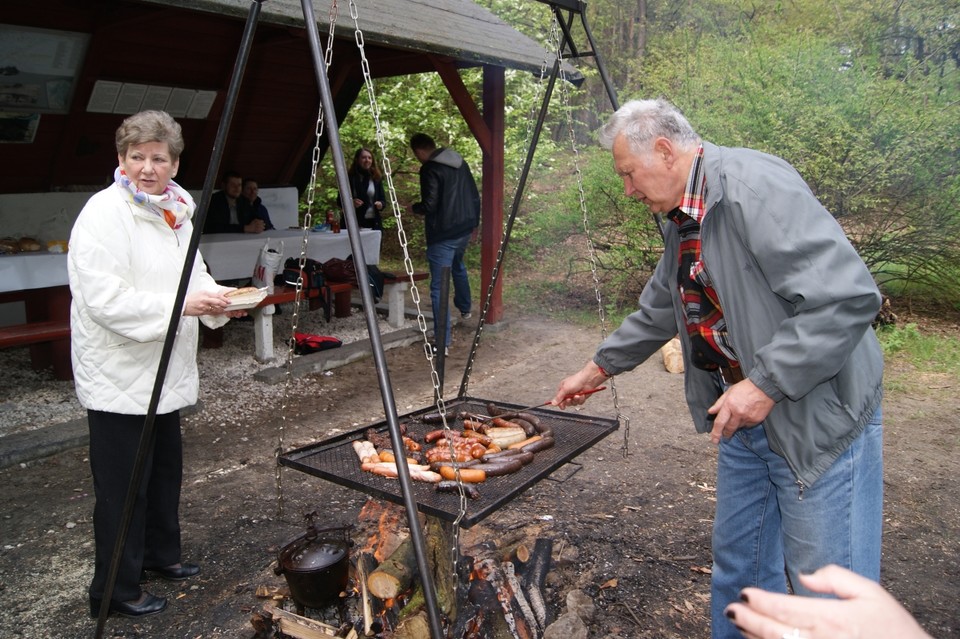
point(232, 256)
point(40, 269)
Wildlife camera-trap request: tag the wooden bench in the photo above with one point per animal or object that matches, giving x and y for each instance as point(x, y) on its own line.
point(334, 297)
point(394, 292)
point(262, 315)
point(54, 334)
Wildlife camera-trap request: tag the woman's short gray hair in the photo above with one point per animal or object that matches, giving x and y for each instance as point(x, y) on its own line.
point(642, 121)
point(150, 126)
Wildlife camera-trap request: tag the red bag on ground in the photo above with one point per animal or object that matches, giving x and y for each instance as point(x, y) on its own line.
point(305, 343)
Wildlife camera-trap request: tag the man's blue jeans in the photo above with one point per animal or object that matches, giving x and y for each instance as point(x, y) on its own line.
point(448, 253)
point(766, 531)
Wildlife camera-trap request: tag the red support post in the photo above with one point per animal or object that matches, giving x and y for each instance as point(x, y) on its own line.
point(491, 226)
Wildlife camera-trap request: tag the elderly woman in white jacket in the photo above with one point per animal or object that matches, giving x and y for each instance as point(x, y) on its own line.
point(127, 250)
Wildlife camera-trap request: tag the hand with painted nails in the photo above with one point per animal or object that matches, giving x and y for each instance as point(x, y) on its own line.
point(862, 609)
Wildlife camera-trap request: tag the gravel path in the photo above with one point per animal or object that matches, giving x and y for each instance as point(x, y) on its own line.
point(32, 399)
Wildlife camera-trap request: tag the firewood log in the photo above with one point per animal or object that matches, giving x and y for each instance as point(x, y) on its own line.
point(534, 578)
point(672, 356)
point(297, 626)
point(415, 627)
point(394, 576)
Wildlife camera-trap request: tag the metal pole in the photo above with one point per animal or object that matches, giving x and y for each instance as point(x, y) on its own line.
point(386, 389)
point(601, 67)
point(147, 436)
point(612, 93)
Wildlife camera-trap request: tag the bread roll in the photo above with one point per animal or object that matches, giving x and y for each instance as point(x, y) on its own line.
point(242, 291)
point(9, 245)
point(29, 244)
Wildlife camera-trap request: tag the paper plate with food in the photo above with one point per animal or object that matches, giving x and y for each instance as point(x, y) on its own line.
point(244, 298)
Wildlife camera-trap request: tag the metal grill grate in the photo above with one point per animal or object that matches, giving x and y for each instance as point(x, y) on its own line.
point(334, 459)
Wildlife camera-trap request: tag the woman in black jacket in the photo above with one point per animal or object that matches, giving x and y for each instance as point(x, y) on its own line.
point(366, 186)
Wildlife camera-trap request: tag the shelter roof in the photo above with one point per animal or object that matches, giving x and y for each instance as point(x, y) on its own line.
point(271, 132)
point(459, 29)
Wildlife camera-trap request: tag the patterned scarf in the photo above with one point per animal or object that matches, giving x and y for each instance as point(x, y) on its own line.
point(173, 205)
point(706, 325)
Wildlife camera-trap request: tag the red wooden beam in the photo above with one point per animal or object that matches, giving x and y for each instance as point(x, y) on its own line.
point(492, 195)
point(488, 129)
point(468, 109)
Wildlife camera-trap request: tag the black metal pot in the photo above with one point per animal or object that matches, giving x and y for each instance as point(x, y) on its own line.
point(316, 566)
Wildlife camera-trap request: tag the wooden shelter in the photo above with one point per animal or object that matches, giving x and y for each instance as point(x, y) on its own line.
point(104, 54)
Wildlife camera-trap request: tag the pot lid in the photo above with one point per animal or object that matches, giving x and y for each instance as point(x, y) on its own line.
point(314, 555)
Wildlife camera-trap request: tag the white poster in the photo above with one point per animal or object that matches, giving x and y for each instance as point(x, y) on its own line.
point(38, 68)
point(103, 96)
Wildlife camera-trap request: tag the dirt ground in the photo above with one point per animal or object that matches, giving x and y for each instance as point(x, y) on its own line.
point(634, 532)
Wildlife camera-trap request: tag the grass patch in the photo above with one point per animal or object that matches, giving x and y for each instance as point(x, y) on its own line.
point(926, 353)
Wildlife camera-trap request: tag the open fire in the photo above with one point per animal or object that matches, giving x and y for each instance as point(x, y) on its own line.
point(496, 593)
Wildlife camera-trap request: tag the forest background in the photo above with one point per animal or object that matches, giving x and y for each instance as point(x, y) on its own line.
point(861, 96)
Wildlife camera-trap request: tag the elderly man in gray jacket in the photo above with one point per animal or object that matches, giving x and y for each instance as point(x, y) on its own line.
point(773, 307)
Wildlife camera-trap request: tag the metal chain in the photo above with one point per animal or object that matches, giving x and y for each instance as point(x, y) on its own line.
point(594, 261)
point(488, 298)
point(307, 225)
point(408, 268)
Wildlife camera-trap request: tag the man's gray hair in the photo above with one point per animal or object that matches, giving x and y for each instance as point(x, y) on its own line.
point(642, 121)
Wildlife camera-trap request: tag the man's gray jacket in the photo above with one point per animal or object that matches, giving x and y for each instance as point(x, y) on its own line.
point(798, 302)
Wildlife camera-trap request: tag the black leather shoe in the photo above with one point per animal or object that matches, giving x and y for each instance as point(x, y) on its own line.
point(150, 605)
point(178, 573)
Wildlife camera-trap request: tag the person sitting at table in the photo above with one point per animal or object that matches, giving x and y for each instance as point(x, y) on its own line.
point(366, 186)
point(251, 193)
point(229, 212)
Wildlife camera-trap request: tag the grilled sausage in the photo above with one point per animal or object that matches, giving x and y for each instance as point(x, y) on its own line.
point(480, 437)
point(528, 440)
point(443, 454)
point(493, 409)
point(500, 422)
point(472, 424)
point(525, 457)
point(448, 486)
point(505, 466)
point(434, 435)
point(440, 463)
point(467, 475)
point(433, 418)
point(540, 444)
point(388, 456)
point(506, 453)
point(545, 432)
point(528, 428)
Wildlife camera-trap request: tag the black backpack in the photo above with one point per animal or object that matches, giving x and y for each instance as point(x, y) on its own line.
point(312, 273)
point(376, 277)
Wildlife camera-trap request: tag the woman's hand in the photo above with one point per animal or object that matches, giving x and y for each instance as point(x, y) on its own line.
point(357, 202)
point(205, 303)
point(864, 609)
point(378, 205)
